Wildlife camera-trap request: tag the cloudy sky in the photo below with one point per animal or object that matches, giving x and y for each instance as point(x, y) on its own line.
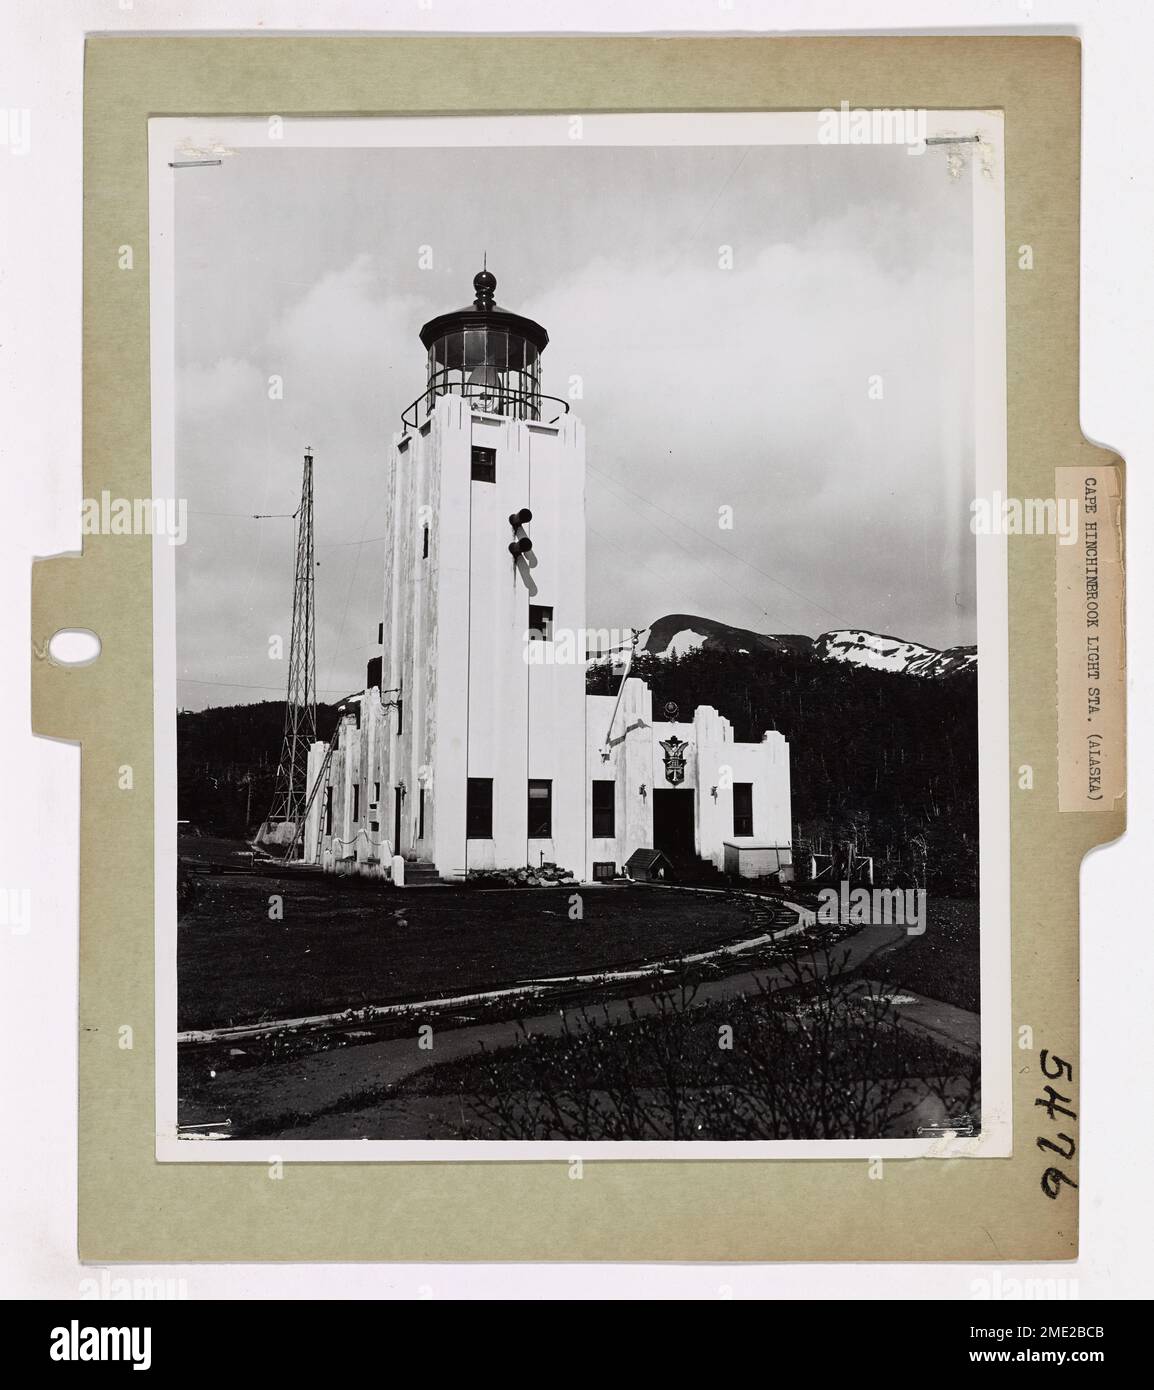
point(704, 387)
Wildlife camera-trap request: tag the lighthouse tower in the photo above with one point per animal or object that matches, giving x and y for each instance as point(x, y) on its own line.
point(474, 744)
point(478, 759)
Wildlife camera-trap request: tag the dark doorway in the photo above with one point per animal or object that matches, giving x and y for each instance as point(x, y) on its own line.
point(673, 823)
point(397, 802)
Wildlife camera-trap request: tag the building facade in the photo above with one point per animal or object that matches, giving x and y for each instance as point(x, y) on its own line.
point(474, 745)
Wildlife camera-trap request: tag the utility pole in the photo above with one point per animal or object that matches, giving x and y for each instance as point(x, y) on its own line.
point(282, 825)
point(605, 748)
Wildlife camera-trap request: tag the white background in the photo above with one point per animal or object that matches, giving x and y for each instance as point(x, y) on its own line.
point(41, 56)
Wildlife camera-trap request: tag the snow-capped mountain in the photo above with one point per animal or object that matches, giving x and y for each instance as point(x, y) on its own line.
point(882, 653)
point(679, 633)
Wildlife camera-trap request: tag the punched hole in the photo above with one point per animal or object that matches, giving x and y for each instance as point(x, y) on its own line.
point(74, 646)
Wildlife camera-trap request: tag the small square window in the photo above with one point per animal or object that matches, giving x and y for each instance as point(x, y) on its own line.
point(484, 464)
point(540, 623)
point(604, 869)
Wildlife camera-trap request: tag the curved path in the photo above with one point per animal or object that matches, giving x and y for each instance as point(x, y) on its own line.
point(281, 1093)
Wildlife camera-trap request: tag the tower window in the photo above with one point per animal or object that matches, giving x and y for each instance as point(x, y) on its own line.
point(400, 717)
point(425, 545)
point(540, 623)
point(540, 809)
point(604, 809)
point(421, 814)
point(743, 808)
point(484, 464)
point(356, 801)
point(479, 808)
point(328, 810)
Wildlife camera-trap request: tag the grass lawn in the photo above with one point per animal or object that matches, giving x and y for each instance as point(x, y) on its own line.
point(943, 962)
point(346, 942)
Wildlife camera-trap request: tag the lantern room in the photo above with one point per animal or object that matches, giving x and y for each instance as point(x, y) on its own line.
point(485, 353)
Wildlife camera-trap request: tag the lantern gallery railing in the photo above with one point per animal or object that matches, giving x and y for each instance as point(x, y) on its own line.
point(491, 397)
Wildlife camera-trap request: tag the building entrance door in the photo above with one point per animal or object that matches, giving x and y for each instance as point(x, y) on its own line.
point(673, 823)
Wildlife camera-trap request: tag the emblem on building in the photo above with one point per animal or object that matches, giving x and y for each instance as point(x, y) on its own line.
point(674, 759)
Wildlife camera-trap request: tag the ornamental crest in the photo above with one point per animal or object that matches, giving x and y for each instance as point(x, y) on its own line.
point(674, 759)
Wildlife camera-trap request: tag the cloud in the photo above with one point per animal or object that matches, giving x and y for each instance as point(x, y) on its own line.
point(752, 388)
point(239, 453)
point(701, 387)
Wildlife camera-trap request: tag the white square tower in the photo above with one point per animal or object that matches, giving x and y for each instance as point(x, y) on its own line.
point(482, 754)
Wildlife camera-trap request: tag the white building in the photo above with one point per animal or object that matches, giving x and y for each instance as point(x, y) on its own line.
point(474, 744)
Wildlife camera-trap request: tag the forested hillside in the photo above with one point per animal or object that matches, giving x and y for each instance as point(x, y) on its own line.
point(882, 759)
point(877, 757)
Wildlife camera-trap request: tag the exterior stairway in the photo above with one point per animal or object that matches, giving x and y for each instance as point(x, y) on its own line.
point(693, 872)
point(706, 874)
point(418, 875)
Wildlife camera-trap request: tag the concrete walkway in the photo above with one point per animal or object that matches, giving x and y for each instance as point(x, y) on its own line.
point(277, 1093)
point(945, 1023)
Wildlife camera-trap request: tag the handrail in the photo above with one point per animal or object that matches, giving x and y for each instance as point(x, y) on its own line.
point(411, 416)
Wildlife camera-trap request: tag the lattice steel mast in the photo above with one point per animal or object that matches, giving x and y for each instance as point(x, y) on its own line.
point(290, 796)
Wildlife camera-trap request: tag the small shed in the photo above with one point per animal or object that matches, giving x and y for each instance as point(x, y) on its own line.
point(648, 866)
point(750, 858)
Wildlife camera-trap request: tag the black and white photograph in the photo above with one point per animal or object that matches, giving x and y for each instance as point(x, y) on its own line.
point(574, 719)
point(572, 587)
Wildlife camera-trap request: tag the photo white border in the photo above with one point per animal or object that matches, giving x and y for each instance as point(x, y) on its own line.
point(171, 138)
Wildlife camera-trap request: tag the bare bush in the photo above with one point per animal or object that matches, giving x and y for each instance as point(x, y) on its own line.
point(815, 1053)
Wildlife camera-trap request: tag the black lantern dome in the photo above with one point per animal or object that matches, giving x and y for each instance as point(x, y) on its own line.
point(485, 353)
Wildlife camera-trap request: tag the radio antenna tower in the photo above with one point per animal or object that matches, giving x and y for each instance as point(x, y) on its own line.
point(283, 824)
